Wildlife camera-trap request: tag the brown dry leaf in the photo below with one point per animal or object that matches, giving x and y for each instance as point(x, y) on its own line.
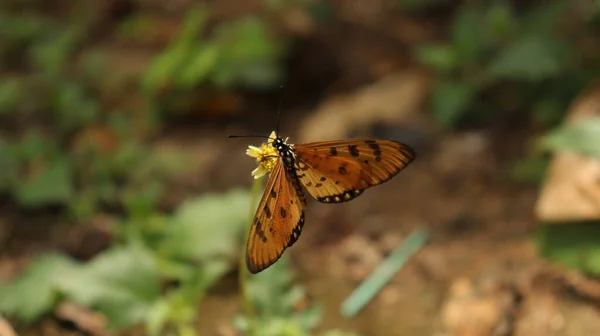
point(572, 188)
point(579, 319)
point(93, 323)
point(5, 328)
point(478, 309)
point(540, 316)
point(392, 100)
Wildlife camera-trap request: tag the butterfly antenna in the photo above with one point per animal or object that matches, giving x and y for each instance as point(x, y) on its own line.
point(247, 136)
point(279, 110)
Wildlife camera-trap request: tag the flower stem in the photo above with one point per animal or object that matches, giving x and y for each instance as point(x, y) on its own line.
point(243, 271)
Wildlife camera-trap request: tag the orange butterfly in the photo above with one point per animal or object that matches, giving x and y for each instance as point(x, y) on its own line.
point(331, 172)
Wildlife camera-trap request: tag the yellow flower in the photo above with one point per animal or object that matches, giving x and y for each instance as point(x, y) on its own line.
point(266, 157)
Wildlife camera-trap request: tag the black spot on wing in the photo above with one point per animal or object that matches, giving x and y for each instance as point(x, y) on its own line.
point(260, 232)
point(282, 212)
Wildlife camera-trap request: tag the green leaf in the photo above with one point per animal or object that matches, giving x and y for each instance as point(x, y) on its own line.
point(51, 55)
point(500, 19)
point(450, 100)
point(208, 227)
point(52, 185)
point(164, 67)
point(576, 245)
point(122, 283)
point(11, 93)
point(73, 109)
point(193, 24)
point(179, 306)
point(440, 56)
point(247, 40)
point(281, 327)
point(582, 137)
point(530, 58)
point(275, 296)
point(157, 317)
point(167, 65)
point(35, 292)
point(249, 56)
point(197, 70)
point(33, 146)
point(468, 37)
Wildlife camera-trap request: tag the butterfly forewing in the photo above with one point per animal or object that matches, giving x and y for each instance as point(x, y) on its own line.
point(338, 171)
point(278, 221)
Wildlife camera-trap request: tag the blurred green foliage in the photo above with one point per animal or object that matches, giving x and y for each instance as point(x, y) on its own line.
point(576, 245)
point(64, 144)
point(60, 146)
point(582, 137)
point(276, 300)
point(132, 282)
point(194, 247)
point(281, 306)
point(499, 59)
point(236, 53)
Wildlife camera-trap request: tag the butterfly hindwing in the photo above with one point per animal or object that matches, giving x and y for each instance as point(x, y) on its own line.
point(339, 171)
point(278, 220)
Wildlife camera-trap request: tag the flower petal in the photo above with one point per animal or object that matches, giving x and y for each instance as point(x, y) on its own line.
point(259, 172)
point(253, 151)
point(272, 137)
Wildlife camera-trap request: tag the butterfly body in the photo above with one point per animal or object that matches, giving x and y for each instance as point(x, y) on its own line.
point(331, 172)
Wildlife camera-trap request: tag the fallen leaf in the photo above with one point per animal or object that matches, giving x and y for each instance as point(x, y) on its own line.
point(572, 188)
point(478, 309)
point(93, 323)
point(5, 328)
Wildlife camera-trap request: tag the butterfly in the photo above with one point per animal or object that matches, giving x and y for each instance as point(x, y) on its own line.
point(331, 171)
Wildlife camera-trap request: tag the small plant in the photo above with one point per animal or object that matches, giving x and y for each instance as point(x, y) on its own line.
point(194, 248)
point(281, 307)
